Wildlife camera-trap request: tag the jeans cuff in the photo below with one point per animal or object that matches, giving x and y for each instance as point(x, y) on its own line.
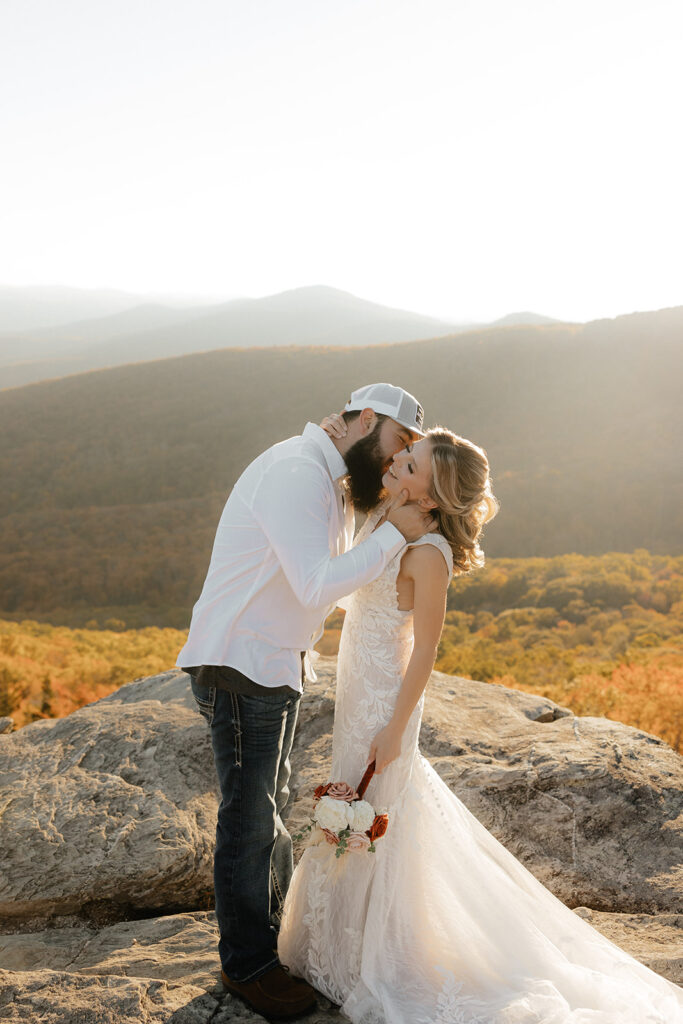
point(257, 973)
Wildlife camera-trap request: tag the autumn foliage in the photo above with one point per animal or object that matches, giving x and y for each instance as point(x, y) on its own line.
point(602, 635)
point(48, 671)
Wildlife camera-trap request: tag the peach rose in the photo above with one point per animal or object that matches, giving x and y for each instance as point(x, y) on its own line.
point(341, 791)
point(357, 841)
point(379, 827)
point(331, 838)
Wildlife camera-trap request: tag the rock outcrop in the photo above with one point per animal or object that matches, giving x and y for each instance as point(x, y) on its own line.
point(164, 969)
point(107, 822)
point(592, 807)
point(113, 805)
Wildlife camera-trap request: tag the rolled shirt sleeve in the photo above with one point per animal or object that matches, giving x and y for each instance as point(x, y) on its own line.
point(292, 505)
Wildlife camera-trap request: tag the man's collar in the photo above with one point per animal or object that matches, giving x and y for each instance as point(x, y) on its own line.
point(334, 459)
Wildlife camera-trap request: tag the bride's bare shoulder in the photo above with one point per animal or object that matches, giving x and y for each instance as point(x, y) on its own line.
point(425, 560)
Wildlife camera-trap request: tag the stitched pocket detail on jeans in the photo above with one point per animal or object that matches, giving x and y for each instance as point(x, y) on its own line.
point(207, 704)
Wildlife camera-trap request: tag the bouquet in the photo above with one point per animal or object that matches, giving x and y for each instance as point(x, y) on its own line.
point(344, 819)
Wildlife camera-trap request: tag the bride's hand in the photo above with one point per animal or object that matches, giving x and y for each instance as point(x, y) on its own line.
point(335, 425)
point(385, 748)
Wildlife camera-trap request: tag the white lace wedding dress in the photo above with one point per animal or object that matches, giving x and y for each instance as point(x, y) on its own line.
point(442, 925)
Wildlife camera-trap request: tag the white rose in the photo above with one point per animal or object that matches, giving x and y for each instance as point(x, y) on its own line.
point(361, 815)
point(331, 813)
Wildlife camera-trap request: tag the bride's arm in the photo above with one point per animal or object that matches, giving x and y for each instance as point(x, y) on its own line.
point(427, 568)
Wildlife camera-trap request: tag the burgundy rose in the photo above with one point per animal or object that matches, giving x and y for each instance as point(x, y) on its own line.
point(378, 827)
point(321, 790)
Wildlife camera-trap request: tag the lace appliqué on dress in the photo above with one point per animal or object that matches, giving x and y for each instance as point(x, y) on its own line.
point(451, 1006)
point(317, 951)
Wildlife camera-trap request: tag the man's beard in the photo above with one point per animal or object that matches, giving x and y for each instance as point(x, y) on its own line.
point(365, 464)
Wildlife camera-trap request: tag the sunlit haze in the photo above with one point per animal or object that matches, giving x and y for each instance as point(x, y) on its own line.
point(462, 159)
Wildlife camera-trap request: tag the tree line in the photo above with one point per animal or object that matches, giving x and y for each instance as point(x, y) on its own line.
point(602, 635)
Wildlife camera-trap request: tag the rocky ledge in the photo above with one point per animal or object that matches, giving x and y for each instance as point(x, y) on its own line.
point(108, 820)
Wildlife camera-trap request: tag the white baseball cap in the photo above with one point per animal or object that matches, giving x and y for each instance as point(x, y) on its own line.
point(391, 401)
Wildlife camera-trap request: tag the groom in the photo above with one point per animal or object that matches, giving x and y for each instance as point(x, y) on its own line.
point(281, 559)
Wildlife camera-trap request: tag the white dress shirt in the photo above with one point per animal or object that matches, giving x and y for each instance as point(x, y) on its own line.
point(281, 559)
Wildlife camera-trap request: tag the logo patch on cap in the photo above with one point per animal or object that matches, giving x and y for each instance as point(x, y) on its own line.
point(419, 415)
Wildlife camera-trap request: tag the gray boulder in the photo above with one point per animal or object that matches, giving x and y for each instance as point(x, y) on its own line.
point(113, 806)
point(110, 811)
point(158, 970)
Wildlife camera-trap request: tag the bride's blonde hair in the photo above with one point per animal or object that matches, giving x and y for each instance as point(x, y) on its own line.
point(461, 487)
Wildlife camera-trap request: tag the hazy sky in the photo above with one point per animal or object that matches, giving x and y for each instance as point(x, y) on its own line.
point(464, 158)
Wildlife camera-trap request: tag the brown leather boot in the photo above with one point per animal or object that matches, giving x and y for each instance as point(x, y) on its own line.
point(274, 994)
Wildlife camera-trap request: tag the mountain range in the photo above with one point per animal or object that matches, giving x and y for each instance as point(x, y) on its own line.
point(138, 332)
point(114, 480)
point(30, 307)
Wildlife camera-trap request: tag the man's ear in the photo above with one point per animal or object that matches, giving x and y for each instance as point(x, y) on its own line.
point(367, 419)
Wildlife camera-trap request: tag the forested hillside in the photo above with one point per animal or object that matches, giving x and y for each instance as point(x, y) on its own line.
point(114, 480)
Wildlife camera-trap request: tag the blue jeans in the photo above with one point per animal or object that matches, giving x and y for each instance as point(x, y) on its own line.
point(252, 740)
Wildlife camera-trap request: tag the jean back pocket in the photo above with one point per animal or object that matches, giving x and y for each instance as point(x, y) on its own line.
point(205, 699)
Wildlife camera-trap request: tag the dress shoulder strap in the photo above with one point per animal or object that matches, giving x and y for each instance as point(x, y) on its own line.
point(440, 542)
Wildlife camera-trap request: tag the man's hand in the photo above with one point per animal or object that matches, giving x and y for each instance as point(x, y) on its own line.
point(411, 520)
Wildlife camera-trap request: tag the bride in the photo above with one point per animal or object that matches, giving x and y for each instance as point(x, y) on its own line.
point(442, 925)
